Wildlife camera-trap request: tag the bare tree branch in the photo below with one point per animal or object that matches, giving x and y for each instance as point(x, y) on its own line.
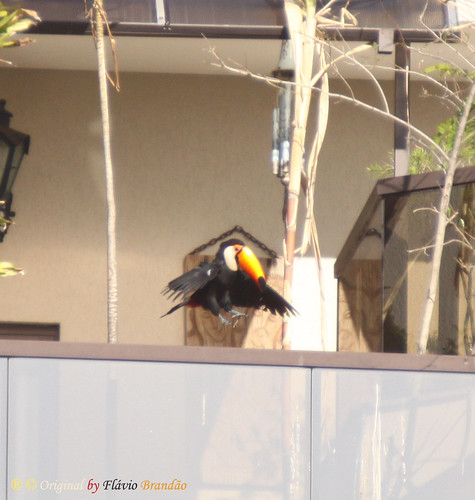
point(412, 128)
point(427, 140)
point(349, 54)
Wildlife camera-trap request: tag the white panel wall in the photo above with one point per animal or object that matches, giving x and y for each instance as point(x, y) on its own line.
point(234, 431)
point(226, 431)
point(392, 435)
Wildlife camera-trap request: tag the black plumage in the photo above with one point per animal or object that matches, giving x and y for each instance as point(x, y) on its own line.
point(216, 285)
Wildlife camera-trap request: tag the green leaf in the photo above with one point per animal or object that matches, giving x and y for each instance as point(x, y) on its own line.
point(445, 69)
point(8, 20)
point(3, 39)
point(14, 20)
point(9, 269)
point(21, 25)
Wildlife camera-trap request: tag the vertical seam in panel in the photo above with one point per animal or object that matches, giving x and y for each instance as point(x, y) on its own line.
point(6, 426)
point(311, 432)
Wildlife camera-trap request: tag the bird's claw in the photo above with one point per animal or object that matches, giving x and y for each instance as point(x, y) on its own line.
point(224, 321)
point(237, 314)
point(234, 318)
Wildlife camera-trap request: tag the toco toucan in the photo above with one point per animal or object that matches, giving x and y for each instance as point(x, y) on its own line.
point(235, 278)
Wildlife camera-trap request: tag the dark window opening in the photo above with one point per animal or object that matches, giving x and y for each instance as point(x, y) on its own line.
point(29, 331)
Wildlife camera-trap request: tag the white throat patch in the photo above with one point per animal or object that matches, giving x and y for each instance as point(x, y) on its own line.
point(230, 258)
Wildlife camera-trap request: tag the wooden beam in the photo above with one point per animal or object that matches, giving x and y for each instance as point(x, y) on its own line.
point(401, 110)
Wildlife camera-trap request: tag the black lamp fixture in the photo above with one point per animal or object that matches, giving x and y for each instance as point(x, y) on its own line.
point(13, 146)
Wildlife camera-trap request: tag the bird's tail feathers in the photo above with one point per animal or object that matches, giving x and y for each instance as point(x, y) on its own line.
point(174, 308)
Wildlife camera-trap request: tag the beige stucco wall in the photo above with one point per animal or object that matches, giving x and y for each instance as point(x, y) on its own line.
point(192, 160)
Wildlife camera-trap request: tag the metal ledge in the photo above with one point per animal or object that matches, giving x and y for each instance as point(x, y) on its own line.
point(237, 356)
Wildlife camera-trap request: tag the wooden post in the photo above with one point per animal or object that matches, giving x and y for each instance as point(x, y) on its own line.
point(401, 109)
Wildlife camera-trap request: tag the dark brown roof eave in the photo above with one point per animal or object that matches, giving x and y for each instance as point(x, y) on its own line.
point(401, 35)
point(167, 30)
point(230, 31)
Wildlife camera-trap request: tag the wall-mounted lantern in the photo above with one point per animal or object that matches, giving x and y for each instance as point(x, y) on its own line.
point(13, 146)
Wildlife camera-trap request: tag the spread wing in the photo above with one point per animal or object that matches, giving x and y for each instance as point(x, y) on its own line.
point(187, 284)
point(246, 294)
point(275, 303)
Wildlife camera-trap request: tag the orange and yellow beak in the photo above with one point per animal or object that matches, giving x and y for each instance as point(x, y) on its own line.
point(250, 264)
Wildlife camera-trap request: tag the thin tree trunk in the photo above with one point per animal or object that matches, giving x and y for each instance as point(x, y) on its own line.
point(112, 295)
point(442, 221)
point(302, 25)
